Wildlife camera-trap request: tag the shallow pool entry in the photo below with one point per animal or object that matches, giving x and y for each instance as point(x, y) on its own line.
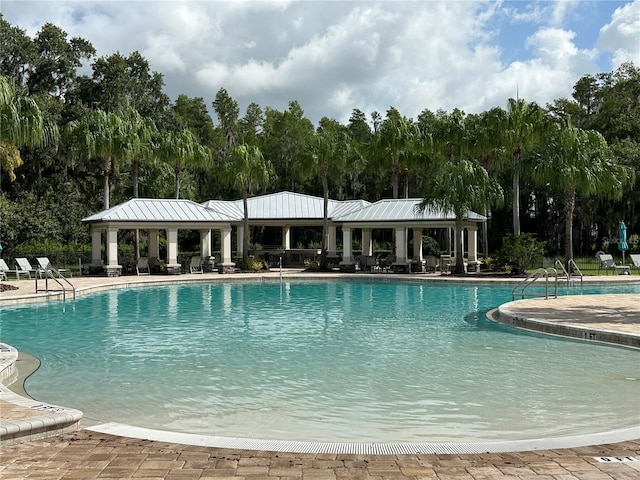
point(340, 361)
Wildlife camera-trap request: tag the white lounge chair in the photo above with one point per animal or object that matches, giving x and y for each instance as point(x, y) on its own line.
point(635, 260)
point(47, 266)
point(606, 262)
point(196, 265)
point(25, 267)
point(5, 270)
point(142, 267)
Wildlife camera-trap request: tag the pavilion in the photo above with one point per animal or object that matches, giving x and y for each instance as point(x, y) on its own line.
point(285, 210)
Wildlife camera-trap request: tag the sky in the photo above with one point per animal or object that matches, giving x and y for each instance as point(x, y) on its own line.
point(336, 56)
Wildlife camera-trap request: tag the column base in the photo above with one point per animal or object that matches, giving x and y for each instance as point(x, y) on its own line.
point(174, 269)
point(226, 267)
point(347, 267)
point(113, 270)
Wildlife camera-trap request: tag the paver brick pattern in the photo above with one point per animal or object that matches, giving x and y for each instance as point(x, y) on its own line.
point(89, 455)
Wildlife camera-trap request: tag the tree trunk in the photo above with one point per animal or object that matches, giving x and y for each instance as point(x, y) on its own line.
point(134, 175)
point(105, 173)
point(570, 199)
point(516, 196)
point(177, 181)
point(394, 180)
point(245, 223)
point(459, 268)
point(325, 222)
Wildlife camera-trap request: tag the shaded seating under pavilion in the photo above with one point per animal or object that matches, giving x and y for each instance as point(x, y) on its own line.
point(285, 210)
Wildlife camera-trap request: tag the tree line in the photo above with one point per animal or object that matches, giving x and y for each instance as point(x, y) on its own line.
point(72, 144)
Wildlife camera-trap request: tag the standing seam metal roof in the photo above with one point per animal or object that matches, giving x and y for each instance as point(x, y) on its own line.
point(159, 210)
point(400, 210)
point(286, 205)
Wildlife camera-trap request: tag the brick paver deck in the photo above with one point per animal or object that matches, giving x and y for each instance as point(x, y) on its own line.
point(90, 455)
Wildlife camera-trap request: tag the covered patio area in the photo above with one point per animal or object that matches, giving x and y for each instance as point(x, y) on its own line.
point(283, 210)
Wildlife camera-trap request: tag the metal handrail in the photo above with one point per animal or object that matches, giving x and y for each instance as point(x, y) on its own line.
point(532, 278)
point(49, 273)
point(573, 267)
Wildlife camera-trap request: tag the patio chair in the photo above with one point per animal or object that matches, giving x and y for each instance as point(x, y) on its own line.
point(196, 265)
point(445, 264)
point(25, 267)
point(209, 264)
point(142, 267)
point(635, 261)
point(47, 266)
point(430, 264)
point(606, 263)
point(4, 270)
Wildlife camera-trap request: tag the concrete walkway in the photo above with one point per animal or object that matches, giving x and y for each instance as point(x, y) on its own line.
point(91, 455)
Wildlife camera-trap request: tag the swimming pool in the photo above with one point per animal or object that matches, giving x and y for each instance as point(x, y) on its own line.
point(324, 361)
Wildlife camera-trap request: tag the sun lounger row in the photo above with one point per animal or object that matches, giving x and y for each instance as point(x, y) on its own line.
point(23, 268)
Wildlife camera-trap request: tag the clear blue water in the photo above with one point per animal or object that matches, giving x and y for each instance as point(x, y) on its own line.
point(325, 361)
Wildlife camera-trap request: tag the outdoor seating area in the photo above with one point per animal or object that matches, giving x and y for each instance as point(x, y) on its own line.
point(607, 263)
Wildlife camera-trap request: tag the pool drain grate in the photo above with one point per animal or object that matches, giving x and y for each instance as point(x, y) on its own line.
point(615, 459)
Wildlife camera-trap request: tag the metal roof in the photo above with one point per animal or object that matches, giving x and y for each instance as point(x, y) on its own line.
point(285, 205)
point(399, 210)
point(272, 207)
point(159, 210)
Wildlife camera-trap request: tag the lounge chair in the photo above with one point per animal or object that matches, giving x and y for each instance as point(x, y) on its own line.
point(606, 262)
point(5, 270)
point(635, 260)
point(142, 267)
point(25, 267)
point(47, 266)
point(196, 265)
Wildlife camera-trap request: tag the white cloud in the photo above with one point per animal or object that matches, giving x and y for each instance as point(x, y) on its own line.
point(334, 56)
point(621, 36)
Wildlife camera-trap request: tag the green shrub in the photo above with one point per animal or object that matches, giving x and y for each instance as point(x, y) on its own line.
point(519, 252)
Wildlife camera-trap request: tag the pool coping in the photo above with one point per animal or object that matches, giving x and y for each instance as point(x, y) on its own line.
point(59, 420)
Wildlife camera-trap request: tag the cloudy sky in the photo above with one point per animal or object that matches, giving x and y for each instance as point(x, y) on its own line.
point(334, 56)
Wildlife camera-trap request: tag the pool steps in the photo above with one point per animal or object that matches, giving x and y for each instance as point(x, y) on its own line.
point(23, 419)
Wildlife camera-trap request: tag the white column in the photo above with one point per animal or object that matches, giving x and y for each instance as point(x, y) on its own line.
point(225, 246)
point(417, 244)
point(112, 247)
point(205, 243)
point(286, 237)
point(172, 248)
point(331, 248)
point(367, 244)
point(346, 246)
point(154, 243)
point(239, 240)
point(401, 246)
point(96, 247)
point(472, 232)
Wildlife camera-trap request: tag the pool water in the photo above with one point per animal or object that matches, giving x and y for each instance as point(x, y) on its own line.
point(322, 361)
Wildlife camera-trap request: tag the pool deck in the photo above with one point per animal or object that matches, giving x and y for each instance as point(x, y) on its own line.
point(89, 454)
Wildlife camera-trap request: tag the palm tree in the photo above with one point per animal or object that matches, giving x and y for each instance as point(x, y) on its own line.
point(394, 141)
point(100, 135)
point(328, 155)
point(459, 184)
point(181, 150)
point(21, 125)
point(513, 134)
point(247, 169)
point(139, 134)
point(579, 162)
